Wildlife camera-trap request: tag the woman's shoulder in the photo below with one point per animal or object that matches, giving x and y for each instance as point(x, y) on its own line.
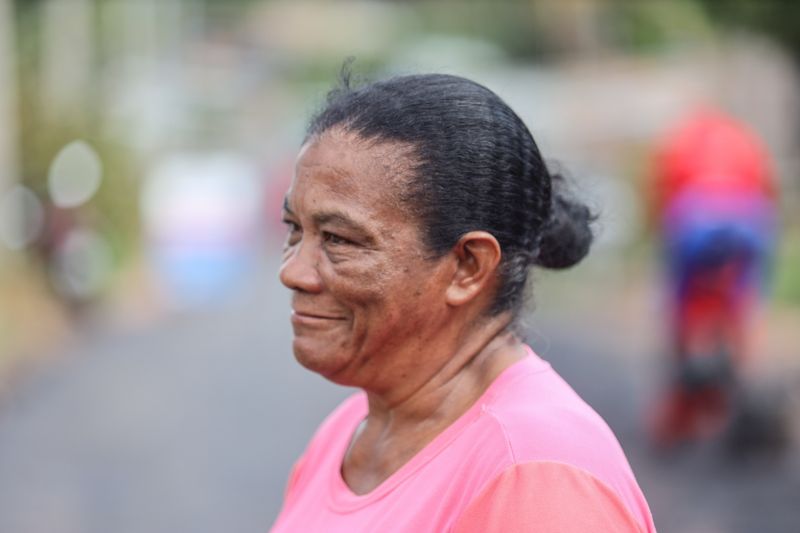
point(542, 417)
point(547, 427)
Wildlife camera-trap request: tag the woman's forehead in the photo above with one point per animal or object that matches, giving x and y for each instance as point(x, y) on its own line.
point(344, 168)
point(349, 154)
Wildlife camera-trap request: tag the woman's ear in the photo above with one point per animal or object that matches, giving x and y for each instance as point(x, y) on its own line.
point(477, 255)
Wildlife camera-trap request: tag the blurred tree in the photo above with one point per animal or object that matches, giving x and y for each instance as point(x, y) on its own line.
point(651, 26)
point(778, 19)
point(8, 97)
point(516, 26)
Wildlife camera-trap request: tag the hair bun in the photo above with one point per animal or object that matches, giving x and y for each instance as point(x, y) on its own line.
point(567, 236)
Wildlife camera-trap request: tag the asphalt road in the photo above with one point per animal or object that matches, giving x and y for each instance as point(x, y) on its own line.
point(191, 425)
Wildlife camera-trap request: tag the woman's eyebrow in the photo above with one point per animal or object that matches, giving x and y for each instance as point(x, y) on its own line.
point(336, 217)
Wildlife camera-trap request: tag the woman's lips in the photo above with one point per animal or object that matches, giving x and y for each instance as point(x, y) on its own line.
point(300, 318)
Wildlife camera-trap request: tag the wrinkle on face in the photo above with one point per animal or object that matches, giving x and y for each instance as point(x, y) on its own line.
point(381, 285)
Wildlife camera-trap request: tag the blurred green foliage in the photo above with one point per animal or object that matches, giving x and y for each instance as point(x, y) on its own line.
point(777, 19)
point(652, 26)
point(787, 273)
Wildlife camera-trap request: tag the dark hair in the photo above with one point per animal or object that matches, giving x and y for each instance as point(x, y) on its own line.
point(476, 167)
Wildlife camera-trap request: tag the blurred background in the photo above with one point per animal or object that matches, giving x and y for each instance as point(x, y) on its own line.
point(146, 376)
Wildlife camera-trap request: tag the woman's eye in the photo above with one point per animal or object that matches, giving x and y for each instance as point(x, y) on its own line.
point(332, 238)
point(293, 231)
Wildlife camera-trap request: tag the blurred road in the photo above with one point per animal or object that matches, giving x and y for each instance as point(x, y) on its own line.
point(192, 426)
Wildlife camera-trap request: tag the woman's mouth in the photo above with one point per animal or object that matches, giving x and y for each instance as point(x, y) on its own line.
point(313, 318)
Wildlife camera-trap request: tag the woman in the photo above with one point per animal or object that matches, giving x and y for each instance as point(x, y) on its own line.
point(417, 207)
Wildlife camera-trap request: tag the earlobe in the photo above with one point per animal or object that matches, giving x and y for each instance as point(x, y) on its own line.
point(478, 256)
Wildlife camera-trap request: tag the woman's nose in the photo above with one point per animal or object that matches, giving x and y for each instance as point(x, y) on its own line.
point(298, 271)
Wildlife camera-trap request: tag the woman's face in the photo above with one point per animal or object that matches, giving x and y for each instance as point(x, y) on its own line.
point(364, 298)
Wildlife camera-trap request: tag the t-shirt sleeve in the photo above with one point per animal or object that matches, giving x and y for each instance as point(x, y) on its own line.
point(546, 497)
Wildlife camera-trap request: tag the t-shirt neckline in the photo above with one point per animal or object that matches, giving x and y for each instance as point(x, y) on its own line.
point(343, 499)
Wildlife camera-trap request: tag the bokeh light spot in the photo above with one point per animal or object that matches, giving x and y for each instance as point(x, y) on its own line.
point(74, 175)
point(21, 217)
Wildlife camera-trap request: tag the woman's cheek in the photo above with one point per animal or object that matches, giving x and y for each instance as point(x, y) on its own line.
point(358, 274)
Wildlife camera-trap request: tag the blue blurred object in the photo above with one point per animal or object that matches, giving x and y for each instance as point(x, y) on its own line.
point(202, 214)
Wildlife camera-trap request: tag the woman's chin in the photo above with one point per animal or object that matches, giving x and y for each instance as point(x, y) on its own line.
point(318, 357)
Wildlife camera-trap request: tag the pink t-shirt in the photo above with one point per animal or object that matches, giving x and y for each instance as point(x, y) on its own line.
point(530, 455)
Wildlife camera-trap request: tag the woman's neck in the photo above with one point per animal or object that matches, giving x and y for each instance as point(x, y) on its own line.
point(402, 421)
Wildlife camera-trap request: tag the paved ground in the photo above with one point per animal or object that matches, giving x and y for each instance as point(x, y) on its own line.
point(192, 425)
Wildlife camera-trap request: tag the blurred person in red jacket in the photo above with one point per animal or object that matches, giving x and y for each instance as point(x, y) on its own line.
point(715, 197)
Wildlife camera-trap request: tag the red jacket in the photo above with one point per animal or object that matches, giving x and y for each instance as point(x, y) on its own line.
point(712, 153)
